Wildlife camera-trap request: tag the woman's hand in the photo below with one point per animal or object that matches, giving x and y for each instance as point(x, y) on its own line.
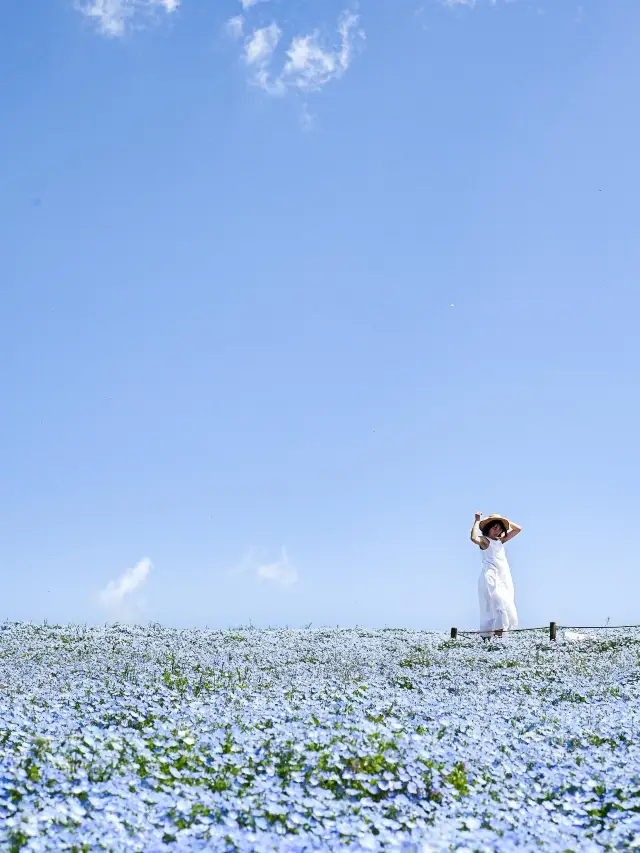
point(515, 529)
point(476, 537)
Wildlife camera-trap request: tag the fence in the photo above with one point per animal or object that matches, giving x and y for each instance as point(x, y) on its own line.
point(552, 629)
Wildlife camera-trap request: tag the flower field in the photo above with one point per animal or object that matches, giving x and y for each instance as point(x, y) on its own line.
point(148, 739)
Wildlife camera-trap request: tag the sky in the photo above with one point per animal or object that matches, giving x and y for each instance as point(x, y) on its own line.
point(289, 290)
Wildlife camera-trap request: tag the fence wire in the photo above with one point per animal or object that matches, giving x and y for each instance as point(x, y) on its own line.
point(513, 631)
point(595, 627)
point(547, 628)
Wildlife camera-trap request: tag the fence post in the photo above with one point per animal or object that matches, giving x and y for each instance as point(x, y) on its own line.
point(454, 633)
point(552, 630)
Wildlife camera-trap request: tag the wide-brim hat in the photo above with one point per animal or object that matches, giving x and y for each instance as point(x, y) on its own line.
point(490, 520)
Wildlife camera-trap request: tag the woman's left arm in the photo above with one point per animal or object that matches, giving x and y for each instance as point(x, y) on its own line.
point(513, 531)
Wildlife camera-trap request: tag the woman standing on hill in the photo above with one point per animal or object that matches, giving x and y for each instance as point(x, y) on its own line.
point(495, 587)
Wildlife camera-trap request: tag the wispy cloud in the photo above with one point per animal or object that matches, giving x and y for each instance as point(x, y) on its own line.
point(259, 48)
point(302, 62)
point(281, 572)
point(310, 61)
point(235, 27)
point(310, 65)
point(121, 597)
point(114, 17)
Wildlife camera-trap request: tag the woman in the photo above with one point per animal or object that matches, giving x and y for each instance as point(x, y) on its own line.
point(495, 587)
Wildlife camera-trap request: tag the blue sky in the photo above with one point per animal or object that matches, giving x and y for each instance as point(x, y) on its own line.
point(289, 291)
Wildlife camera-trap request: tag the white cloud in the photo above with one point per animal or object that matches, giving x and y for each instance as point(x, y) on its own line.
point(121, 594)
point(307, 119)
point(114, 17)
point(235, 27)
point(309, 62)
point(259, 48)
point(306, 65)
point(258, 53)
point(281, 572)
point(310, 66)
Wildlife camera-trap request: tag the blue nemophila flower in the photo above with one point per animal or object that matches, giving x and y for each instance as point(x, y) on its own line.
point(151, 739)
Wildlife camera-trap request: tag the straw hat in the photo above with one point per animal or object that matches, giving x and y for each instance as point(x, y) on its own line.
point(486, 523)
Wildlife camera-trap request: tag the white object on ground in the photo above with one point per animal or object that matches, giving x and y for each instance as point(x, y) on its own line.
point(574, 636)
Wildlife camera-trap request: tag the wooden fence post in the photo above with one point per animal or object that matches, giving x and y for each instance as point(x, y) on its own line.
point(552, 630)
point(454, 633)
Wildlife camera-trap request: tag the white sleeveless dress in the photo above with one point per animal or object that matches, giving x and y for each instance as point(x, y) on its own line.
point(495, 591)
